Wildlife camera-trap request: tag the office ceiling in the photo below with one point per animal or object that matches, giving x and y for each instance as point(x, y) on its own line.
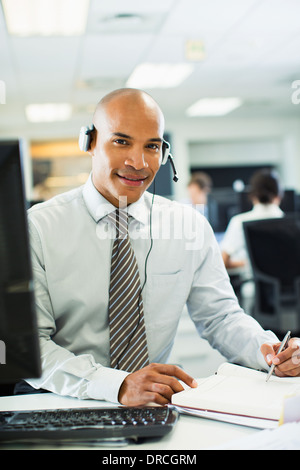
point(251, 50)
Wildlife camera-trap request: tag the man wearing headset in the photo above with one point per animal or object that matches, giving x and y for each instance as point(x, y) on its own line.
point(71, 262)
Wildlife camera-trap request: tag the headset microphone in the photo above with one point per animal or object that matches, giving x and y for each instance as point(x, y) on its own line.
point(167, 156)
point(85, 142)
point(175, 175)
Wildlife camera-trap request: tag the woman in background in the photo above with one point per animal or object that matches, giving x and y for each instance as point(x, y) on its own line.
point(265, 195)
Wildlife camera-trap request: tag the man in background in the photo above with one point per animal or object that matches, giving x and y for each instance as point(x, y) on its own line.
point(198, 188)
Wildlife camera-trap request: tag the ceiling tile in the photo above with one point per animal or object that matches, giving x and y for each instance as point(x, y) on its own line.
point(204, 18)
point(112, 55)
point(273, 17)
point(130, 6)
point(45, 66)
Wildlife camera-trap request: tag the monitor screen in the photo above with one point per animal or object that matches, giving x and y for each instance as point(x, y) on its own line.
point(225, 176)
point(19, 345)
point(222, 205)
point(288, 203)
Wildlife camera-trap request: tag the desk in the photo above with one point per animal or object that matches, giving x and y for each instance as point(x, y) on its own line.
point(190, 433)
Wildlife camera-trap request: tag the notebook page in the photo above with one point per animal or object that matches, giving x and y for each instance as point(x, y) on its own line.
point(250, 397)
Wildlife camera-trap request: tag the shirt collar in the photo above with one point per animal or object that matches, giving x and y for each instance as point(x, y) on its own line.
point(259, 207)
point(99, 207)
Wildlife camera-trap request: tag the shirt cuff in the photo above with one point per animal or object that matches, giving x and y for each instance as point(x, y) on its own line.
point(270, 338)
point(106, 384)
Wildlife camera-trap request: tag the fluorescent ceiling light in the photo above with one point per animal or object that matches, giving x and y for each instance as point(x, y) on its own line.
point(46, 17)
point(48, 112)
point(213, 107)
point(159, 75)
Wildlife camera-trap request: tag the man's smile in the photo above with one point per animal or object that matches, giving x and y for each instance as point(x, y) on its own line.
point(132, 179)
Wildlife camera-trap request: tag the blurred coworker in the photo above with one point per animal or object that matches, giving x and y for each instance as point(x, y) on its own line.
point(266, 195)
point(198, 188)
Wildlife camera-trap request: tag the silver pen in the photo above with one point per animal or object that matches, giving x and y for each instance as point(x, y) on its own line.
point(282, 347)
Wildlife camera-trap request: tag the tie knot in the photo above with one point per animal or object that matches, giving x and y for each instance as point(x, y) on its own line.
point(119, 218)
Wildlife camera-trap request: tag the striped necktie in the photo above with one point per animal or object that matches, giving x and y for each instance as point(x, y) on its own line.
point(128, 342)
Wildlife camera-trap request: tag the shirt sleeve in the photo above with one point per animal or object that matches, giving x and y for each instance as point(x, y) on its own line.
point(214, 308)
point(63, 372)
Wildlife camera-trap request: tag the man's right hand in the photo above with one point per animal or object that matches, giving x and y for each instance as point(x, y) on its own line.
point(155, 383)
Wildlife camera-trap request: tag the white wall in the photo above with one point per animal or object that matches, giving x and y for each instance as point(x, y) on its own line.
point(278, 140)
point(235, 152)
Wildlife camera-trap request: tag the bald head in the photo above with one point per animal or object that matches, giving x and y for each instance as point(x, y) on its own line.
point(132, 99)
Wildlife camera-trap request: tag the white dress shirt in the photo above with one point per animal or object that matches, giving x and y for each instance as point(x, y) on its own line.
point(71, 247)
point(234, 243)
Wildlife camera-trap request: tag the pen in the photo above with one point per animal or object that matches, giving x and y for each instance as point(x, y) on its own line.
point(282, 347)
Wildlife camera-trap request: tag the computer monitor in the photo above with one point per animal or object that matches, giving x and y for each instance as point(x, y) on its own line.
point(288, 203)
point(19, 344)
point(222, 205)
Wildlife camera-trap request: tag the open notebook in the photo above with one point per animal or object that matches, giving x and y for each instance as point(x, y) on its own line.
point(238, 392)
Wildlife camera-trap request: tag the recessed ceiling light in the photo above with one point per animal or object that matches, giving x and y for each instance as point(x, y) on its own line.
point(159, 75)
point(48, 112)
point(213, 107)
point(46, 17)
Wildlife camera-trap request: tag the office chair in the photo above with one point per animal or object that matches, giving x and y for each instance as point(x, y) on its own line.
point(274, 251)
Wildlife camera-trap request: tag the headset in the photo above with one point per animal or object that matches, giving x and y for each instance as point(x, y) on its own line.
point(85, 141)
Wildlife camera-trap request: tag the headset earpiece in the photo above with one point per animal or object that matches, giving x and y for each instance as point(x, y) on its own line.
point(165, 152)
point(85, 137)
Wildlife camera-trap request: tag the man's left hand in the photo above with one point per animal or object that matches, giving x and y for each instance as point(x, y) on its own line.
point(287, 362)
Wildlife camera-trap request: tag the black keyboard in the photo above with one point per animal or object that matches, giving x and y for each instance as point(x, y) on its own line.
point(87, 424)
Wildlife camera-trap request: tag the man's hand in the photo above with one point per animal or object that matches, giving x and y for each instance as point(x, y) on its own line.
point(287, 362)
point(154, 383)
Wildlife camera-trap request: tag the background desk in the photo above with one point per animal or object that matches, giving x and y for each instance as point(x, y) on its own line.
point(190, 433)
